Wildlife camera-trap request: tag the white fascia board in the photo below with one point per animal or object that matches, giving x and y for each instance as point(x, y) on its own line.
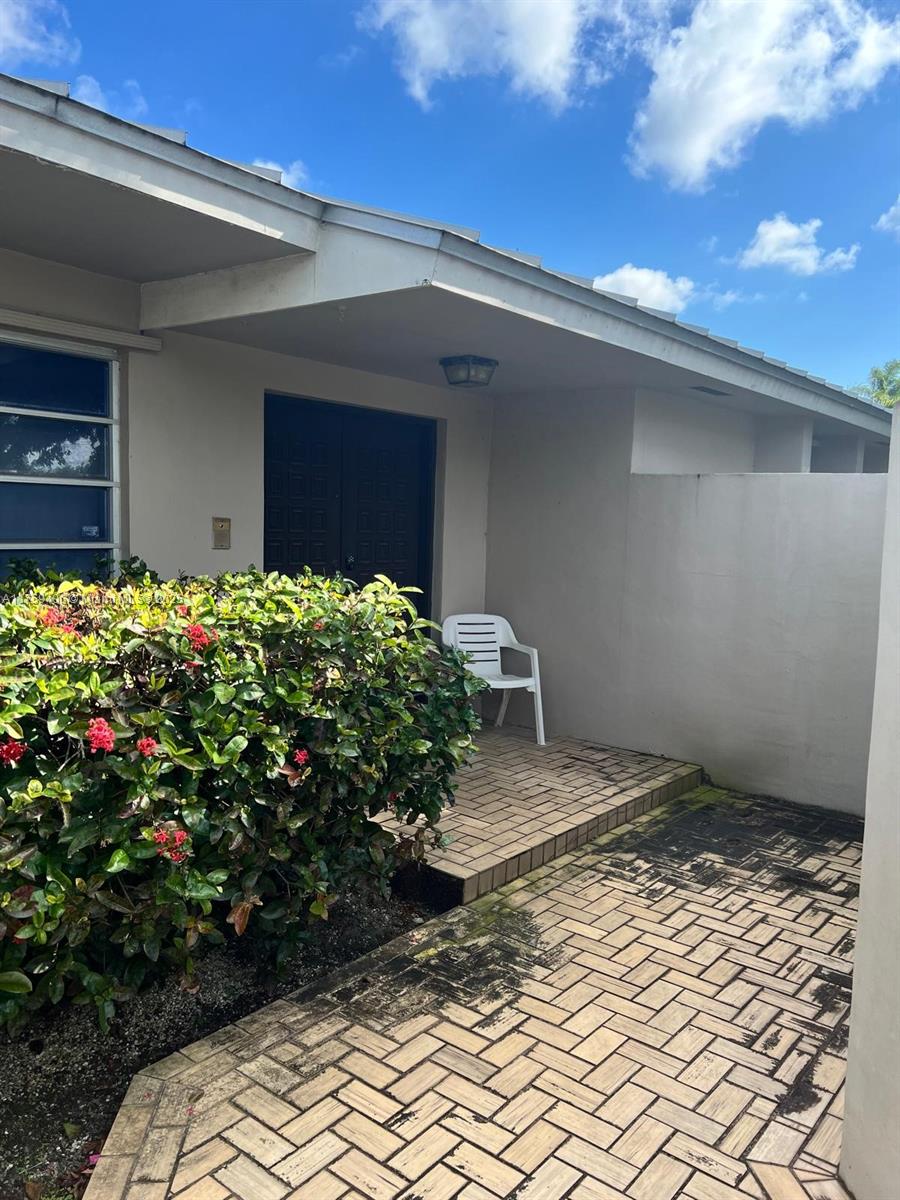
point(382, 220)
point(349, 263)
point(75, 136)
point(476, 271)
point(250, 289)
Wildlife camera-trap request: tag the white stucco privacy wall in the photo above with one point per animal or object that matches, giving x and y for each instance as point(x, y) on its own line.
point(725, 619)
point(870, 1161)
point(748, 628)
point(195, 439)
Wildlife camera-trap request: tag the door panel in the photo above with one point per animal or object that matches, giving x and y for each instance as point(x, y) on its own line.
point(302, 486)
point(375, 471)
point(387, 471)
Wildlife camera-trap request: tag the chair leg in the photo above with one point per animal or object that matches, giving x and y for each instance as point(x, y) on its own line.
point(504, 705)
point(539, 715)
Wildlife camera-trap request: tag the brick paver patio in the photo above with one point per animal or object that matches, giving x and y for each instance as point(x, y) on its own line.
point(520, 805)
point(661, 1013)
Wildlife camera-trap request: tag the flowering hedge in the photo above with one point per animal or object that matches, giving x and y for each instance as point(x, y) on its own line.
point(180, 757)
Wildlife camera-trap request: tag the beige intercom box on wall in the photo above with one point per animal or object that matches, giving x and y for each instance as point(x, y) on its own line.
point(221, 533)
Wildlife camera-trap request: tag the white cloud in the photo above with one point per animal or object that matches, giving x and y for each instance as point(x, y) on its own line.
point(341, 59)
point(738, 64)
point(657, 289)
point(889, 221)
point(718, 78)
point(294, 175)
point(137, 104)
point(36, 31)
point(722, 300)
point(779, 242)
point(86, 90)
point(128, 103)
point(546, 50)
point(654, 288)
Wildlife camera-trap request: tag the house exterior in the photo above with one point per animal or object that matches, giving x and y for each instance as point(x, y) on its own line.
point(205, 368)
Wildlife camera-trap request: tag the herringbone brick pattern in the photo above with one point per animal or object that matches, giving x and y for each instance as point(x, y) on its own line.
point(661, 1013)
point(520, 805)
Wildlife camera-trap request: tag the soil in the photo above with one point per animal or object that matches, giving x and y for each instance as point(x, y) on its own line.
point(62, 1080)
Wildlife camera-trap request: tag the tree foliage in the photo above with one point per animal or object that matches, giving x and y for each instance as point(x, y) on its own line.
point(883, 386)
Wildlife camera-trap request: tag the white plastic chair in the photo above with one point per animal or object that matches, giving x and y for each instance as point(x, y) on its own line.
point(482, 636)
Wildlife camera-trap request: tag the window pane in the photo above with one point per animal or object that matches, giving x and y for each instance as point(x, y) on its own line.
point(84, 562)
point(41, 446)
point(59, 382)
point(44, 512)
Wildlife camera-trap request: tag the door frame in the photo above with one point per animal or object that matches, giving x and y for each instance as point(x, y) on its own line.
point(427, 532)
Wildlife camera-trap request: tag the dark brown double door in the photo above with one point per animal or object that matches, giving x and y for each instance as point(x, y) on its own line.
point(348, 489)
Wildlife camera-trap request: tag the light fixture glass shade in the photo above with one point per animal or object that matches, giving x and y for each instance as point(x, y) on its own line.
point(468, 370)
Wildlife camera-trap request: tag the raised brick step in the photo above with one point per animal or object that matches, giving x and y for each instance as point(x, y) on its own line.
point(521, 805)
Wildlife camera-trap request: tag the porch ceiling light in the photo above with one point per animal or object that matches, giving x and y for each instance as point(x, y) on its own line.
point(468, 370)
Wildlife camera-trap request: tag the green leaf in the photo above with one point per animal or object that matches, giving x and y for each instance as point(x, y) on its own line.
point(82, 836)
point(118, 861)
point(234, 747)
point(187, 760)
point(224, 692)
point(15, 982)
point(197, 888)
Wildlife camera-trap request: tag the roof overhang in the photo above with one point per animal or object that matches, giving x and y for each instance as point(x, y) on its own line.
point(395, 301)
point(78, 186)
point(223, 251)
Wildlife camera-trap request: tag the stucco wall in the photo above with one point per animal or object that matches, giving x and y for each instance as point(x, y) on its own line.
point(727, 619)
point(870, 1162)
point(51, 289)
point(679, 435)
point(195, 450)
point(749, 626)
point(559, 499)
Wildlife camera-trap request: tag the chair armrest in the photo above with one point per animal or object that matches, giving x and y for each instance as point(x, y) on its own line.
point(531, 651)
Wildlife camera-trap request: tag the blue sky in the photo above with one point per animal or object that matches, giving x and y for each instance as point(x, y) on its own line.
point(741, 154)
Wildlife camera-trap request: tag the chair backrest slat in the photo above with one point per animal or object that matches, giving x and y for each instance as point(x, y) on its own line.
point(480, 635)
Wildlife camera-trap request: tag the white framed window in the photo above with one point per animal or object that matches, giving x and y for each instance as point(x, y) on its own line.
point(59, 454)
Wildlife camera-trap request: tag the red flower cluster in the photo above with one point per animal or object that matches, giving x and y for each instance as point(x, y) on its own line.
point(100, 735)
point(55, 618)
point(147, 746)
point(169, 843)
point(11, 752)
point(301, 757)
point(199, 637)
point(182, 610)
point(318, 625)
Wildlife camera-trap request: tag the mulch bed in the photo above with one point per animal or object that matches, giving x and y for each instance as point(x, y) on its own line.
point(62, 1080)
